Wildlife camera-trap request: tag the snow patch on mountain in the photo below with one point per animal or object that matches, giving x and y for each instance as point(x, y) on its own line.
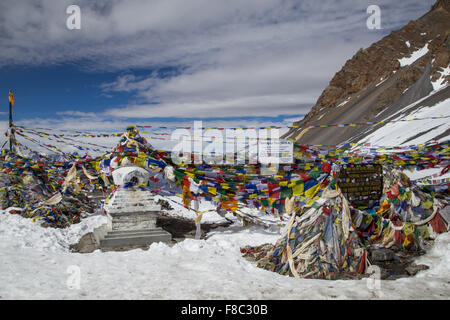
point(441, 83)
point(414, 56)
point(413, 132)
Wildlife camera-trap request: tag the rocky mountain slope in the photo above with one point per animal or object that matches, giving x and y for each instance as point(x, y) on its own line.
point(409, 66)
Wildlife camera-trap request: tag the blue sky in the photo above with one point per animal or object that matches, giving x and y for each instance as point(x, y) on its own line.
point(228, 63)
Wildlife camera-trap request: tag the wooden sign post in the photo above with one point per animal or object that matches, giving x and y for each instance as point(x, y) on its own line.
point(361, 183)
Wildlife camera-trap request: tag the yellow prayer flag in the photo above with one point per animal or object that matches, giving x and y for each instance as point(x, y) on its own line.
point(141, 159)
point(11, 98)
point(189, 174)
point(294, 182)
point(212, 190)
point(297, 190)
point(312, 191)
point(408, 228)
point(95, 165)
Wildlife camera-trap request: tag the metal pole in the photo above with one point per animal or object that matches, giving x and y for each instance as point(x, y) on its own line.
point(10, 124)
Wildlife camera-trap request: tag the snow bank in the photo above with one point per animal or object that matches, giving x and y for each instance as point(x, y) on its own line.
point(35, 265)
point(18, 232)
point(438, 259)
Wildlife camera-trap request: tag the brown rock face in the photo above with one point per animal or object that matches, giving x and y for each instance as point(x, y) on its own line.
point(373, 79)
point(441, 4)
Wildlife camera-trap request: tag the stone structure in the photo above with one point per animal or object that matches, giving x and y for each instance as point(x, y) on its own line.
point(132, 213)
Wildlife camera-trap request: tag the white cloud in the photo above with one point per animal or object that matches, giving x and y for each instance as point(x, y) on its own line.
point(258, 84)
point(118, 34)
point(257, 106)
point(76, 114)
point(229, 58)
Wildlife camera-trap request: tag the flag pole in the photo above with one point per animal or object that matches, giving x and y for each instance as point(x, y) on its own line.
point(11, 102)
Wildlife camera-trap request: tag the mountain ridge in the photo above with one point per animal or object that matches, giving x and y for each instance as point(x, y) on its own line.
point(401, 68)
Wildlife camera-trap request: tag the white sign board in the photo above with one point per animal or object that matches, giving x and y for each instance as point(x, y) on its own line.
point(275, 151)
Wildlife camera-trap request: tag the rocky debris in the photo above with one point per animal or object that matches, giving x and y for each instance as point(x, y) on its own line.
point(126, 248)
point(87, 244)
point(441, 4)
point(413, 268)
point(165, 205)
point(90, 241)
point(181, 228)
point(381, 255)
point(395, 262)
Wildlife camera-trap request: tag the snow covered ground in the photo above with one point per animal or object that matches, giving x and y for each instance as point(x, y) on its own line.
point(36, 264)
point(407, 132)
